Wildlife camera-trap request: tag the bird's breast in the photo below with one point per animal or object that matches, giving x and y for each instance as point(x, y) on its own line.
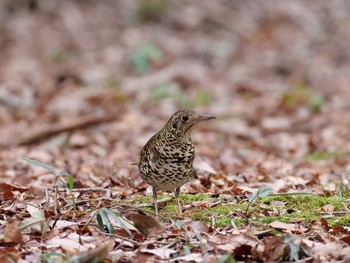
point(168, 165)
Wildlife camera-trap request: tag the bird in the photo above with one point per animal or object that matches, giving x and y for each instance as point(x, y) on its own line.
point(166, 160)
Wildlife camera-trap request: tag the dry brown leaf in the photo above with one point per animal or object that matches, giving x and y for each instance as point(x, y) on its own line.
point(203, 167)
point(331, 250)
point(36, 223)
point(328, 208)
point(275, 249)
point(324, 224)
point(288, 228)
point(146, 224)
point(116, 255)
point(13, 187)
point(197, 225)
point(97, 254)
point(346, 239)
point(162, 252)
point(72, 244)
point(242, 244)
point(71, 247)
point(282, 120)
point(9, 254)
point(339, 230)
point(279, 185)
point(239, 191)
point(8, 195)
point(193, 257)
point(59, 224)
point(12, 232)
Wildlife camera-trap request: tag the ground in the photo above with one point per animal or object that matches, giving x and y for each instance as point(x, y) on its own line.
point(85, 84)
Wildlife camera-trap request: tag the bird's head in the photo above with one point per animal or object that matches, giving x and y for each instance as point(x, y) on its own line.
point(182, 122)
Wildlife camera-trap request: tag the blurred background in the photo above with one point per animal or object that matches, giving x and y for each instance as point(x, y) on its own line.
point(84, 84)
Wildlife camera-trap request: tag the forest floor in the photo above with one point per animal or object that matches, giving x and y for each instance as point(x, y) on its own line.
point(85, 84)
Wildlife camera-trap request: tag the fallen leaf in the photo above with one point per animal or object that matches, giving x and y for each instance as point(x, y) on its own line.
point(203, 167)
point(339, 230)
point(197, 225)
point(275, 249)
point(13, 187)
point(59, 224)
point(238, 191)
point(328, 208)
point(324, 224)
point(330, 251)
point(241, 244)
point(193, 257)
point(71, 247)
point(35, 223)
point(146, 224)
point(162, 252)
point(9, 254)
point(289, 228)
point(8, 195)
point(97, 254)
point(72, 244)
point(278, 185)
point(12, 232)
point(346, 239)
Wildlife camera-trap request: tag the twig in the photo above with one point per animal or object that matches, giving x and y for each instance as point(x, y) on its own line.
point(92, 189)
point(40, 133)
point(87, 201)
point(263, 233)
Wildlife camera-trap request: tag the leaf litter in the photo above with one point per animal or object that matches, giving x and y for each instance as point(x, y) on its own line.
point(271, 176)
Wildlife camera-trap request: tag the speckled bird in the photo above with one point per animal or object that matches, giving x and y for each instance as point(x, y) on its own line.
point(167, 158)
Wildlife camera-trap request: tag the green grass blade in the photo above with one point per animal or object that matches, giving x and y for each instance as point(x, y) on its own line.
point(70, 182)
point(42, 165)
point(106, 220)
point(264, 192)
point(99, 222)
point(118, 219)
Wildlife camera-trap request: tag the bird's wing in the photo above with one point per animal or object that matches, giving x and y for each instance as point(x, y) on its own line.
point(150, 147)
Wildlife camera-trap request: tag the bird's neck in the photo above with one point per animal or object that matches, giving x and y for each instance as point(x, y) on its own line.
point(178, 136)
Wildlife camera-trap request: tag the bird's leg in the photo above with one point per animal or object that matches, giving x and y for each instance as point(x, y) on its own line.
point(177, 194)
point(155, 199)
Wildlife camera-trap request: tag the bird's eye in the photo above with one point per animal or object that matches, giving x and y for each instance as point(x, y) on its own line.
point(184, 118)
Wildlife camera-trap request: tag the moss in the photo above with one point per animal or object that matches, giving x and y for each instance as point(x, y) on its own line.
point(223, 222)
point(191, 197)
point(170, 208)
point(227, 221)
point(302, 203)
point(297, 208)
point(302, 95)
point(340, 220)
point(319, 156)
point(140, 199)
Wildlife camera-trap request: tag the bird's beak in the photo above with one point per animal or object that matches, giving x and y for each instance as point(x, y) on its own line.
point(205, 117)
